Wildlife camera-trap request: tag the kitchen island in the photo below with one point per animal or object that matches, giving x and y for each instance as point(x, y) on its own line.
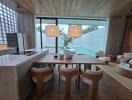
point(15, 76)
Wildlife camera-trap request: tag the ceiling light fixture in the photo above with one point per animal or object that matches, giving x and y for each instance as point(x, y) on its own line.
point(75, 31)
point(52, 30)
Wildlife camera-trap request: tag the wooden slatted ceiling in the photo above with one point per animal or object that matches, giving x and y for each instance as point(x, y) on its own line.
point(85, 8)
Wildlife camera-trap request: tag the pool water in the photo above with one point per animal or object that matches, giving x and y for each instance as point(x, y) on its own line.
point(85, 51)
point(79, 50)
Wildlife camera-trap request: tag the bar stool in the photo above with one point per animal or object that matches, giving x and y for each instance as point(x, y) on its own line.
point(92, 77)
point(68, 75)
point(40, 76)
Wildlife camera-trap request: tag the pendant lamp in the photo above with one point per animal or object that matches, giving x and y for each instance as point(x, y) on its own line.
point(75, 31)
point(52, 30)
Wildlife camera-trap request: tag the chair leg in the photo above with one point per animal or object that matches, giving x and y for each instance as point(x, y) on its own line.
point(39, 89)
point(68, 88)
point(59, 73)
point(94, 91)
point(53, 81)
point(79, 77)
point(87, 66)
point(78, 83)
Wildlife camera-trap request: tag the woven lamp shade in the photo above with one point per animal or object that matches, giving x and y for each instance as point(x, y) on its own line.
point(74, 31)
point(51, 30)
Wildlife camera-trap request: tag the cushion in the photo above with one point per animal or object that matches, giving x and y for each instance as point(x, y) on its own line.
point(94, 72)
point(86, 80)
point(73, 78)
point(123, 60)
point(120, 56)
point(125, 66)
point(130, 62)
point(104, 58)
point(127, 56)
point(93, 68)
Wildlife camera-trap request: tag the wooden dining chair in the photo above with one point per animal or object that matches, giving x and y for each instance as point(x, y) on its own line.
point(92, 77)
point(68, 75)
point(40, 76)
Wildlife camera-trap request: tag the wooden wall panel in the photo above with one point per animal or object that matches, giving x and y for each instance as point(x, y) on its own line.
point(127, 39)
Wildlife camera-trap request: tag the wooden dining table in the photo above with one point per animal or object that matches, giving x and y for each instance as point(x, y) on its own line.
point(76, 59)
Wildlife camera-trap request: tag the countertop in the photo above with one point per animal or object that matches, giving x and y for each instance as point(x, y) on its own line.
point(1, 49)
point(14, 60)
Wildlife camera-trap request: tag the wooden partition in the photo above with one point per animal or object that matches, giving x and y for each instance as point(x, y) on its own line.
point(127, 38)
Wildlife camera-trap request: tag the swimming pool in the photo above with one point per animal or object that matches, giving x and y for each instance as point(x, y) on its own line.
point(84, 51)
point(79, 50)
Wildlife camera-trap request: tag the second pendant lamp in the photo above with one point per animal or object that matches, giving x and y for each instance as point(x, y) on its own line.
point(75, 31)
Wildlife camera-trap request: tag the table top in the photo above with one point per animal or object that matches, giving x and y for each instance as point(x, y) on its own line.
point(77, 59)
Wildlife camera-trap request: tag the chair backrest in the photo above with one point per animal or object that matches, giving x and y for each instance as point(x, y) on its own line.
point(69, 72)
point(40, 73)
point(94, 75)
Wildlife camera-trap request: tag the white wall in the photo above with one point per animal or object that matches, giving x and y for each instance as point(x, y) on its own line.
point(95, 40)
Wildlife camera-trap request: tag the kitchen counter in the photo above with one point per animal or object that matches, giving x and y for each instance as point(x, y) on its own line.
point(15, 75)
point(1, 49)
point(14, 60)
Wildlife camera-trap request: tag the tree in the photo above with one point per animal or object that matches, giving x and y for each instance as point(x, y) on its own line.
point(66, 39)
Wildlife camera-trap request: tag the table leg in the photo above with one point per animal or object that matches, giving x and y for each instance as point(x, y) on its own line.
point(87, 66)
point(59, 73)
point(79, 67)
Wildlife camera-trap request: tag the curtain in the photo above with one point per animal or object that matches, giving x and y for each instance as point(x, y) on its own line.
point(127, 38)
point(26, 25)
point(115, 35)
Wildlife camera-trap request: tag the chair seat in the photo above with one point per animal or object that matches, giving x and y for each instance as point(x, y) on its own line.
point(47, 78)
point(93, 72)
point(73, 78)
point(90, 72)
point(85, 80)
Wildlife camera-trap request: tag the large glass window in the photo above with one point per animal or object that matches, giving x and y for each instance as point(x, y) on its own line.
point(8, 22)
point(93, 38)
point(47, 42)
